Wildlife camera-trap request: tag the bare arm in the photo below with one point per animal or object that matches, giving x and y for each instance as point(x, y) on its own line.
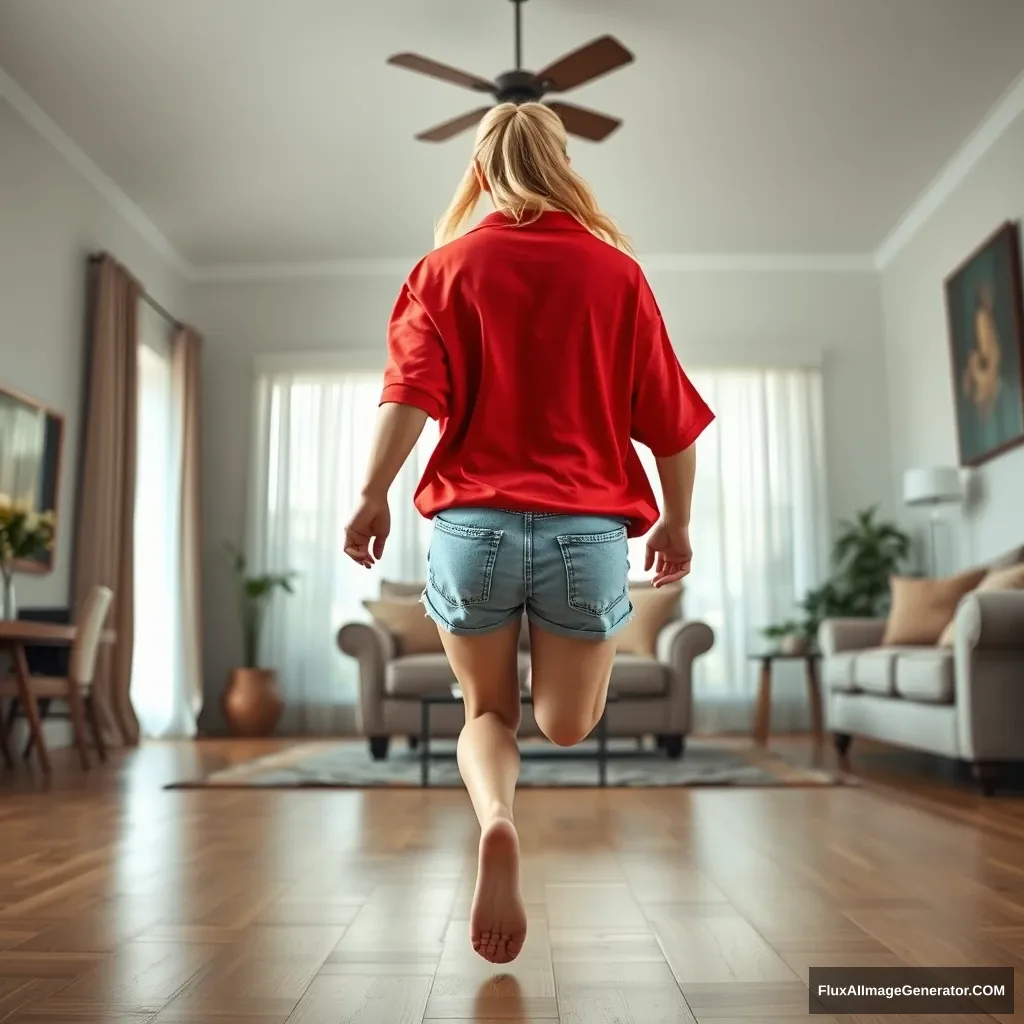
point(677, 473)
point(398, 429)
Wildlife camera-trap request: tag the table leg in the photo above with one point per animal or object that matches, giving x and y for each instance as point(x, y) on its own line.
point(28, 702)
point(425, 743)
point(602, 749)
point(5, 747)
point(814, 699)
point(763, 713)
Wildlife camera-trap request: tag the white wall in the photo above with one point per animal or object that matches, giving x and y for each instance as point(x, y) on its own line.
point(716, 319)
point(50, 220)
point(921, 409)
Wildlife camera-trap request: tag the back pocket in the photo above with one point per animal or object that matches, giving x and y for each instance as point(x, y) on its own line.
point(597, 569)
point(461, 562)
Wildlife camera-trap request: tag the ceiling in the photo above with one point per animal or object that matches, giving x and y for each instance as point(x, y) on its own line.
point(256, 131)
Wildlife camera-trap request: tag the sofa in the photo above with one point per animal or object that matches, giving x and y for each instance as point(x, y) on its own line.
point(652, 695)
point(965, 701)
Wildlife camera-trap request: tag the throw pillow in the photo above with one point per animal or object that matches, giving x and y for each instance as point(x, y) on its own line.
point(1011, 578)
point(652, 610)
point(408, 623)
point(922, 608)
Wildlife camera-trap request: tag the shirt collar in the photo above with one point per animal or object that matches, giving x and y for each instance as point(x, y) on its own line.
point(548, 219)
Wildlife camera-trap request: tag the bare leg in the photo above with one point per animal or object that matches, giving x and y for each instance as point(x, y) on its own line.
point(486, 668)
point(570, 683)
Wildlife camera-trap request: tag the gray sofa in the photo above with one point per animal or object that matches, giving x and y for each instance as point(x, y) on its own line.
point(653, 695)
point(964, 702)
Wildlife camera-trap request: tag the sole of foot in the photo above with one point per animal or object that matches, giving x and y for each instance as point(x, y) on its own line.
point(497, 923)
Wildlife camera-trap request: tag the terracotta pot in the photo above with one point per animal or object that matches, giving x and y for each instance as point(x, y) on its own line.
point(252, 703)
point(794, 643)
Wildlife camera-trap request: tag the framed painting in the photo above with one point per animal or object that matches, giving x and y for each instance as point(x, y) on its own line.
point(986, 339)
point(31, 439)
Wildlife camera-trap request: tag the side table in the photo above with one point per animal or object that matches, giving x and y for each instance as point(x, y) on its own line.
point(763, 709)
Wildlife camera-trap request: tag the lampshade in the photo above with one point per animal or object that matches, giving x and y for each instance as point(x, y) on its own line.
point(936, 485)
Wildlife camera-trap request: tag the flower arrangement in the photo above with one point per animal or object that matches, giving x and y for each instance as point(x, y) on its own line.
point(24, 535)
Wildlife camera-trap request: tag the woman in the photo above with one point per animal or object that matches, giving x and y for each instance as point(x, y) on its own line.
point(536, 342)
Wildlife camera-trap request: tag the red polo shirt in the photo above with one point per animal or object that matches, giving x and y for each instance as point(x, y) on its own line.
point(542, 353)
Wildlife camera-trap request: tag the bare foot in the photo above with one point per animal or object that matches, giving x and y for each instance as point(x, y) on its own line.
point(497, 923)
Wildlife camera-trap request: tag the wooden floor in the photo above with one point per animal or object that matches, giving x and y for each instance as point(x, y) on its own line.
point(122, 902)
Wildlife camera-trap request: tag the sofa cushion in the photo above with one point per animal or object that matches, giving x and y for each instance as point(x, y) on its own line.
point(874, 671)
point(1007, 560)
point(1009, 578)
point(636, 676)
point(925, 676)
point(837, 672)
point(921, 608)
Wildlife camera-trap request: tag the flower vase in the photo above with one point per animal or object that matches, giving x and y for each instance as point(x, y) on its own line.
point(9, 611)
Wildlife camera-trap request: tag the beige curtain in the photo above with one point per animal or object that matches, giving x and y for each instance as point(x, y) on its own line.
point(186, 354)
point(104, 535)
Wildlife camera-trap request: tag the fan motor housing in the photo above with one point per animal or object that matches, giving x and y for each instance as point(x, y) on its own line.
point(518, 87)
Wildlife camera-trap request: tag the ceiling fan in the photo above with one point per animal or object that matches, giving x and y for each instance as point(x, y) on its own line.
point(592, 61)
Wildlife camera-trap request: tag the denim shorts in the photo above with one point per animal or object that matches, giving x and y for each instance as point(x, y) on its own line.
point(569, 572)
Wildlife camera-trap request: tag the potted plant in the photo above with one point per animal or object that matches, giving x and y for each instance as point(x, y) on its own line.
point(866, 554)
point(24, 536)
point(252, 701)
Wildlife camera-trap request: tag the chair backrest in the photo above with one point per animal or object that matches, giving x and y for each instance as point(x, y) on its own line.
point(87, 635)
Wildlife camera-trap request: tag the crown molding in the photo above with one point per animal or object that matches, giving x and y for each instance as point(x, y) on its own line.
point(327, 270)
point(975, 146)
point(44, 125)
point(835, 263)
point(764, 263)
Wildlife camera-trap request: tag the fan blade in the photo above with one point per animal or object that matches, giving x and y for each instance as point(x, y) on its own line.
point(450, 129)
point(585, 64)
point(425, 66)
point(587, 124)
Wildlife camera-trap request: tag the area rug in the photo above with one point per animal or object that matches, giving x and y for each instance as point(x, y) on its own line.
point(348, 765)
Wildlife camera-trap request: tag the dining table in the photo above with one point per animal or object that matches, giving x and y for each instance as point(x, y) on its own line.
point(15, 636)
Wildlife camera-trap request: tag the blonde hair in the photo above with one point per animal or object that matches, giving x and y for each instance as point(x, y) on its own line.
point(521, 152)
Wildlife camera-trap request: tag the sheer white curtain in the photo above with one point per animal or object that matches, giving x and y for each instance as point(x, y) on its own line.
point(314, 429)
point(159, 692)
point(759, 533)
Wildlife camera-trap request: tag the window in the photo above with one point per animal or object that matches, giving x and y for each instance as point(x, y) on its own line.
point(156, 661)
point(314, 431)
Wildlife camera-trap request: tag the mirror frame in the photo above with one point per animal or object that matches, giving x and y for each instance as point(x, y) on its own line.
point(55, 423)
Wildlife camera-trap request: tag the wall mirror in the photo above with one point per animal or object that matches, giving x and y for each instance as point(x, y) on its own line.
point(31, 437)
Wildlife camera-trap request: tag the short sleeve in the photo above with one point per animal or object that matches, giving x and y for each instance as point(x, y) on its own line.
point(417, 368)
point(668, 414)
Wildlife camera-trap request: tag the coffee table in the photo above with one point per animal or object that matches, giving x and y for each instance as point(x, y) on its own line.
point(454, 696)
point(763, 712)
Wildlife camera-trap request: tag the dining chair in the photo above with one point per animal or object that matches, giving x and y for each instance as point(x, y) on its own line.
point(77, 687)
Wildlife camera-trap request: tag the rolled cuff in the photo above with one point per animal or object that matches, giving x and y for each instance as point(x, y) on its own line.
point(679, 442)
point(405, 394)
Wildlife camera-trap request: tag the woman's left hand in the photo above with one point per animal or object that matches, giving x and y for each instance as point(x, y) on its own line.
point(367, 531)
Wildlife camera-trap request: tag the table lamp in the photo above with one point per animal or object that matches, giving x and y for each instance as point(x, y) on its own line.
point(933, 487)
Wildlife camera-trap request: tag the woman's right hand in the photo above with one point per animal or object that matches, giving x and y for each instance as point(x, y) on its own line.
point(668, 553)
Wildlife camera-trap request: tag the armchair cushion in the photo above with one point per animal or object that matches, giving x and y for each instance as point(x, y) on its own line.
point(653, 608)
point(635, 676)
point(407, 622)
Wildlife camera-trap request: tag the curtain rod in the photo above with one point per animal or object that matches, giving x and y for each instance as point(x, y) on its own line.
point(147, 299)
